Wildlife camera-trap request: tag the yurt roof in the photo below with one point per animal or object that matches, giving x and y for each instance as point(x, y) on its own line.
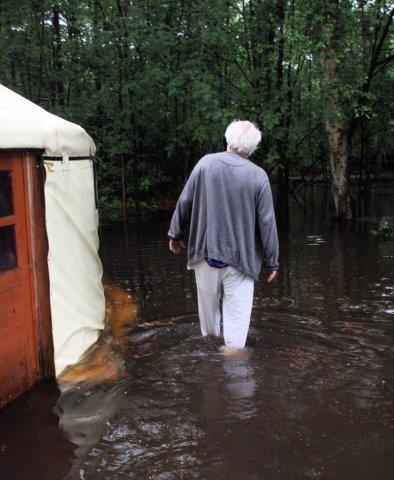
point(24, 124)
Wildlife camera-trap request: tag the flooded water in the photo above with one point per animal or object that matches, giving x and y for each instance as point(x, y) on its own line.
point(311, 398)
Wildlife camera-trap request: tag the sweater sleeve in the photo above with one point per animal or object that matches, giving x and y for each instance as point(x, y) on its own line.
point(181, 216)
point(267, 227)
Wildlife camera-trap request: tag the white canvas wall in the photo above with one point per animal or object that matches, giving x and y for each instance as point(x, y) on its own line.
point(23, 124)
point(75, 271)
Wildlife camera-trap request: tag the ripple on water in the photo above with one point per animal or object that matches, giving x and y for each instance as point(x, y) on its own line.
point(312, 399)
point(190, 412)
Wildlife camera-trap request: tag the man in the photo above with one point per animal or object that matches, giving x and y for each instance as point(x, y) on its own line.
point(227, 205)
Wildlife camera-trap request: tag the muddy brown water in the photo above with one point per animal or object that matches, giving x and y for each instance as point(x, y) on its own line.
point(312, 398)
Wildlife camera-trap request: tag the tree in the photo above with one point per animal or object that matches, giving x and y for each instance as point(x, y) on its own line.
point(156, 82)
point(335, 118)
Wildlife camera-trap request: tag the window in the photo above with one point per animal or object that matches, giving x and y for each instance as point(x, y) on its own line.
point(7, 248)
point(6, 203)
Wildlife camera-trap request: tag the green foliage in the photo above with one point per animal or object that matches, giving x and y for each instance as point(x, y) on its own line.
point(385, 229)
point(156, 82)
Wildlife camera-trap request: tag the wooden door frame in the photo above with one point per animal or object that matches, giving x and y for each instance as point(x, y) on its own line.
point(34, 178)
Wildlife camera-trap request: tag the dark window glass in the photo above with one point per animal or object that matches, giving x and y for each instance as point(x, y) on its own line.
point(6, 204)
point(7, 248)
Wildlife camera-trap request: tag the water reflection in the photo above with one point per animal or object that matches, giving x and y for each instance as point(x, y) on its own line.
point(240, 385)
point(83, 411)
point(311, 399)
point(31, 444)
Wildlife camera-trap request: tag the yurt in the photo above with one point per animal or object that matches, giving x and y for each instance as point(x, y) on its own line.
point(51, 295)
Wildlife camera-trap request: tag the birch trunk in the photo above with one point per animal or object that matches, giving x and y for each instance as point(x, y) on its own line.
point(335, 125)
point(336, 130)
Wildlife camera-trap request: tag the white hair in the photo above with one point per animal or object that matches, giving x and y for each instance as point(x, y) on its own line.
point(242, 137)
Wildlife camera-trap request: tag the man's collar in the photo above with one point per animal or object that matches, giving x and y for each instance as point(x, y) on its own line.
point(238, 154)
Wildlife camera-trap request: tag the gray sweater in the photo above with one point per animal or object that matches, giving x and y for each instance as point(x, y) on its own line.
point(227, 205)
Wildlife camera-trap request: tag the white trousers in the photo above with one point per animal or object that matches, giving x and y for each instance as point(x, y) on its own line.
point(237, 291)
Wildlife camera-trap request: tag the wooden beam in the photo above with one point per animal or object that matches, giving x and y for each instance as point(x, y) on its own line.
point(34, 175)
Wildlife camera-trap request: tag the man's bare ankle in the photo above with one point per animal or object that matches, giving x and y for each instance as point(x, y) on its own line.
point(211, 336)
point(231, 351)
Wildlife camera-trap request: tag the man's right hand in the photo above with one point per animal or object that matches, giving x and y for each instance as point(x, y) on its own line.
point(176, 246)
point(271, 275)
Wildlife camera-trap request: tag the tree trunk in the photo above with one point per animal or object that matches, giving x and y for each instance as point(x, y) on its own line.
point(124, 188)
point(57, 57)
point(335, 125)
point(337, 144)
point(136, 180)
point(283, 171)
